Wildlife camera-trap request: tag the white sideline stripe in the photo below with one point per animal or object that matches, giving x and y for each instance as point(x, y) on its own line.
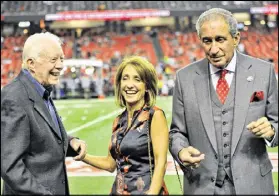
point(97, 120)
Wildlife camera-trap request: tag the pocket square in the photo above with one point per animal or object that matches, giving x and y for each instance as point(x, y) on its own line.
point(257, 96)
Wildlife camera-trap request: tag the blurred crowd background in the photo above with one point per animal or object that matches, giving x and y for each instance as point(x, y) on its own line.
point(97, 35)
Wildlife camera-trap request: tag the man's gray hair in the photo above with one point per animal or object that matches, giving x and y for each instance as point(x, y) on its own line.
point(215, 13)
point(33, 47)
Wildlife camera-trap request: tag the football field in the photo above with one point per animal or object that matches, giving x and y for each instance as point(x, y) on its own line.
point(91, 120)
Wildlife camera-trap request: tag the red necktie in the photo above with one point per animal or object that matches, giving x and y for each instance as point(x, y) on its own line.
point(222, 88)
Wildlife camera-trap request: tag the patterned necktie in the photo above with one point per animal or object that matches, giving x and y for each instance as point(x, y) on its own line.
point(222, 88)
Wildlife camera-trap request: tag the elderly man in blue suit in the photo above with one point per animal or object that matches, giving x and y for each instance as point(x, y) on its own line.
point(34, 143)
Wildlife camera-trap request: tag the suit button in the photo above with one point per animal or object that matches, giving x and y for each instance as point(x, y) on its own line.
point(224, 112)
point(224, 134)
point(224, 123)
point(225, 145)
point(216, 157)
point(63, 181)
point(212, 179)
point(226, 156)
point(59, 142)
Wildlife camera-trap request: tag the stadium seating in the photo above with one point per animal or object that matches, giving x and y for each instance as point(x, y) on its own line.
point(183, 48)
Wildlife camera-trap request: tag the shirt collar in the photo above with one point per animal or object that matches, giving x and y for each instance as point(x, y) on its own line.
point(40, 89)
point(231, 66)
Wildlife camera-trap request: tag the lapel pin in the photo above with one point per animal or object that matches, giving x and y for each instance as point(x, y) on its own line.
point(250, 78)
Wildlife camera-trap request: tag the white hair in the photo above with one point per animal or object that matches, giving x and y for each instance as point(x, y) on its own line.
point(33, 47)
point(214, 13)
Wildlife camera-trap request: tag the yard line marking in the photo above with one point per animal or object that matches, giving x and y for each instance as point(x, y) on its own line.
point(74, 105)
point(65, 103)
point(97, 120)
point(93, 101)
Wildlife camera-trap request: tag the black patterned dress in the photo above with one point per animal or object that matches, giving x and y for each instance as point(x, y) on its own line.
point(129, 148)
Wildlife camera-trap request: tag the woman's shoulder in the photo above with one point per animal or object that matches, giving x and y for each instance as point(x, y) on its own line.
point(156, 108)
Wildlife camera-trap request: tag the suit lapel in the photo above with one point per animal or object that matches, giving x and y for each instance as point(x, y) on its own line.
point(41, 108)
point(243, 92)
point(39, 104)
point(62, 129)
point(202, 90)
point(64, 134)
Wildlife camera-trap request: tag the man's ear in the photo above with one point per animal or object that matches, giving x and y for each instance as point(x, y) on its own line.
point(237, 39)
point(31, 64)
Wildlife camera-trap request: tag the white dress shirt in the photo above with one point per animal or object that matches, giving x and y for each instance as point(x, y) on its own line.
point(215, 74)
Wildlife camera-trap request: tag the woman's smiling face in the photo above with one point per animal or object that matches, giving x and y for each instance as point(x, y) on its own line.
point(132, 87)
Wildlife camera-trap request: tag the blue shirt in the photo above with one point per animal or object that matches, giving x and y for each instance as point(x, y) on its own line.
point(41, 90)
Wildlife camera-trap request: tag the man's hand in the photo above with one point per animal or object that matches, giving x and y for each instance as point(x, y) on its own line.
point(191, 156)
point(261, 128)
point(80, 147)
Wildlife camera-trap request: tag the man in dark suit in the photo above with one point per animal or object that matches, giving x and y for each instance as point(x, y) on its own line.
point(225, 112)
point(34, 143)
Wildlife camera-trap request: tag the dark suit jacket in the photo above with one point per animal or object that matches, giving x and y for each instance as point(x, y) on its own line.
point(32, 153)
point(193, 125)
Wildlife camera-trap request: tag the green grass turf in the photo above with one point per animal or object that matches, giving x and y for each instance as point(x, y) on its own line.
point(275, 149)
point(275, 180)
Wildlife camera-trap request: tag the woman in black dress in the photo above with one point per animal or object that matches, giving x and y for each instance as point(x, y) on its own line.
point(139, 143)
